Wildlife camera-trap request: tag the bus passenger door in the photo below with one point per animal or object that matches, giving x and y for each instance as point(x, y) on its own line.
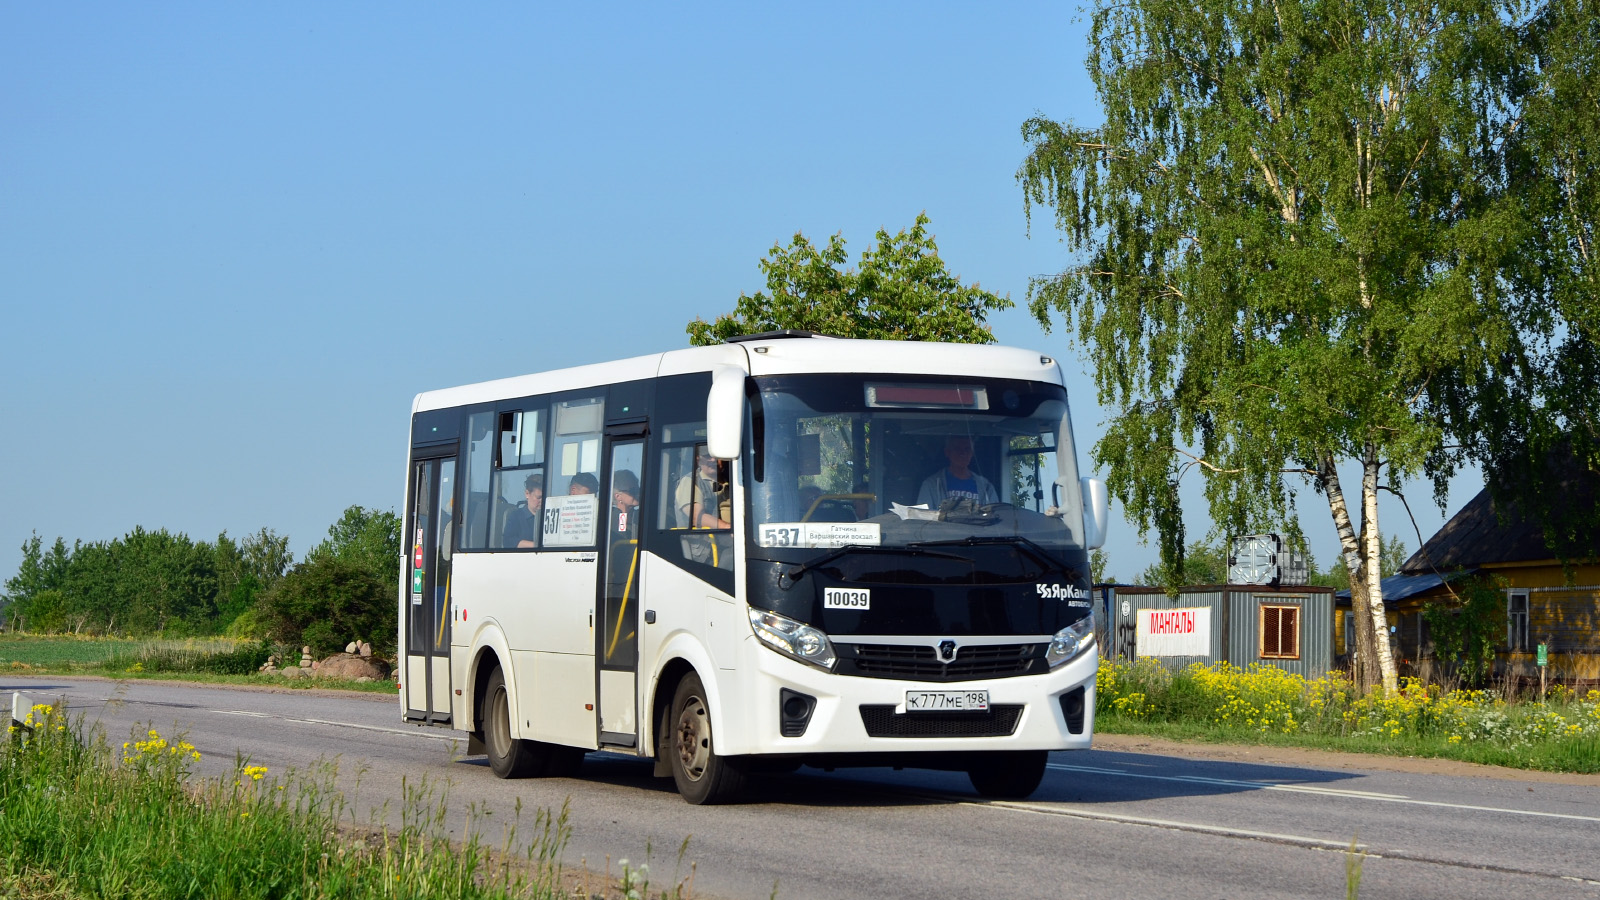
point(617, 637)
point(426, 675)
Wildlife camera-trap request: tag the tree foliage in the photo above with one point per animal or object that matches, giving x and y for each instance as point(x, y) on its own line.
point(1466, 632)
point(1293, 227)
point(900, 290)
point(1203, 563)
point(368, 538)
point(328, 601)
point(1535, 430)
point(143, 582)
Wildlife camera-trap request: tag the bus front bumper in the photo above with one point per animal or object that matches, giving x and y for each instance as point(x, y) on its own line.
point(862, 715)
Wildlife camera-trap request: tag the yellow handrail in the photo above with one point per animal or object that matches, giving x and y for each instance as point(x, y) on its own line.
point(627, 588)
point(818, 502)
point(438, 635)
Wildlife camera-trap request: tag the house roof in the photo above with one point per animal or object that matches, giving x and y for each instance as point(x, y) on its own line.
point(1475, 535)
point(1402, 587)
point(1486, 531)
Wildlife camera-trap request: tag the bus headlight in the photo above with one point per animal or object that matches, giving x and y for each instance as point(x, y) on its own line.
point(793, 639)
point(1070, 641)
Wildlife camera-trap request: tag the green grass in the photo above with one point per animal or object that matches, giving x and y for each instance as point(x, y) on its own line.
point(203, 660)
point(85, 818)
point(59, 651)
point(1578, 755)
point(1269, 707)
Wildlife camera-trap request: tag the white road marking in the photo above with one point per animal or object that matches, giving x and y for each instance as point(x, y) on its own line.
point(1331, 792)
point(416, 731)
point(1308, 843)
point(1080, 813)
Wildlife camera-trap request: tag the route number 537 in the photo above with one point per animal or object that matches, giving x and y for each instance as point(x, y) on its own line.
point(780, 536)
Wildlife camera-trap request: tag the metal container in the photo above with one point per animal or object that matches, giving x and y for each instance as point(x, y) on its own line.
point(1290, 627)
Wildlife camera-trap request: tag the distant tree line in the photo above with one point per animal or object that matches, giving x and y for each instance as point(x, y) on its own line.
point(161, 583)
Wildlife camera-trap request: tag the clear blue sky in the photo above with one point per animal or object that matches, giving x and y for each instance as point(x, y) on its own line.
point(235, 241)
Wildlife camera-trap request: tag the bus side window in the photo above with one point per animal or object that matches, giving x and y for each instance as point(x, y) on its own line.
point(480, 461)
point(684, 504)
point(676, 464)
point(575, 453)
point(515, 493)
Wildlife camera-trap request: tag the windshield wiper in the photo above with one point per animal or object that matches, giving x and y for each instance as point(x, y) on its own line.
point(1034, 549)
point(788, 578)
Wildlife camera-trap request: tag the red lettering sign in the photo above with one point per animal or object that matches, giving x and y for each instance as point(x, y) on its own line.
point(1175, 621)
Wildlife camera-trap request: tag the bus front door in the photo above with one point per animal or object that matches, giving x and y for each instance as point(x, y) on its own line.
point(617, 638)
point(426, 676)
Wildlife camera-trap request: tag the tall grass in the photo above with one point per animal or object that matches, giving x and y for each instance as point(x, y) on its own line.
point(84, 819)
point(213, 657)
point(1264, 703)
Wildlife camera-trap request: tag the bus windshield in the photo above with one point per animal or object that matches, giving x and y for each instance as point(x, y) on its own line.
point(942, 462)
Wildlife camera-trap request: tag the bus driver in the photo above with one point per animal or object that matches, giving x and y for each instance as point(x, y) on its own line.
point(957, 480)
point(702, 497)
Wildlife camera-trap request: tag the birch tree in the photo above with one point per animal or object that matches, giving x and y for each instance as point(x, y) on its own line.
point(1536, 431)
point(1289, 228)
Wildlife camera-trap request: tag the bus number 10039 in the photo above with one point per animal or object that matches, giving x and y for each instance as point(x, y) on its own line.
point(846, 598)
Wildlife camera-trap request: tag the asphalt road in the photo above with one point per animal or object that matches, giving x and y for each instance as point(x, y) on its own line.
point(1104, 824)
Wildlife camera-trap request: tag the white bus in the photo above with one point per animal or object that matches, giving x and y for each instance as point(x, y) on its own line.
point(785, 550)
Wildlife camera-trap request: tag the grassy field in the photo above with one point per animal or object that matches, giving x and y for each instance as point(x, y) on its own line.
point(61, 652)
point(1266, 705)
point(85, 818)
point(206, 660)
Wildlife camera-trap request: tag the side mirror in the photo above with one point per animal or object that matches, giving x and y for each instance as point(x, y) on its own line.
point(1094, 513)
point(725, 412)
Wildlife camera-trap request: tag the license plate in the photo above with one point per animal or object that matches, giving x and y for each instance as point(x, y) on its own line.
point(947, 701)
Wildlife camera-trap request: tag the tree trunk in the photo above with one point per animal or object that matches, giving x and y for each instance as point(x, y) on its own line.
point(1374, 548)
point(1365, 670)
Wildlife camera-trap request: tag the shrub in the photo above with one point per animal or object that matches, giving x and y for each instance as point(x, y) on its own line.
point(325, 602)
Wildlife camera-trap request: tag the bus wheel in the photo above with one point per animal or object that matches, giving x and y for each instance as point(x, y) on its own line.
point(508, 757)
point(1010, 775)
point(702, 775)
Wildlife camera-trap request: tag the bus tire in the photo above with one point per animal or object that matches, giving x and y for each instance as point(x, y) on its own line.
point(508, 756)
point(1010, 775)
point(702, 775)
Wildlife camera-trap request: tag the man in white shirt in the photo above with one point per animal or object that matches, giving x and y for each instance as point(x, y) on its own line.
point(957, 480)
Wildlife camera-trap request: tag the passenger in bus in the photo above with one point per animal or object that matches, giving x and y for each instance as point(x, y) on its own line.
point(624, 506)
point(957, 480)
point(583, 483)
point(702, 496)
point(522, 526)
point(809, 495)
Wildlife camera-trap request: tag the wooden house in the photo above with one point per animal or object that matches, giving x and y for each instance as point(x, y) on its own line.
point(1546, 601)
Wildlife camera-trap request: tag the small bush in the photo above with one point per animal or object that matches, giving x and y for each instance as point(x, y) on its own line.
point(326, 602)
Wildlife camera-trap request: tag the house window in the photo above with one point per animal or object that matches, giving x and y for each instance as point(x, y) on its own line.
point(1280, 632)
point(1349, 632)
point(1424, 636)
point(1517, 621)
